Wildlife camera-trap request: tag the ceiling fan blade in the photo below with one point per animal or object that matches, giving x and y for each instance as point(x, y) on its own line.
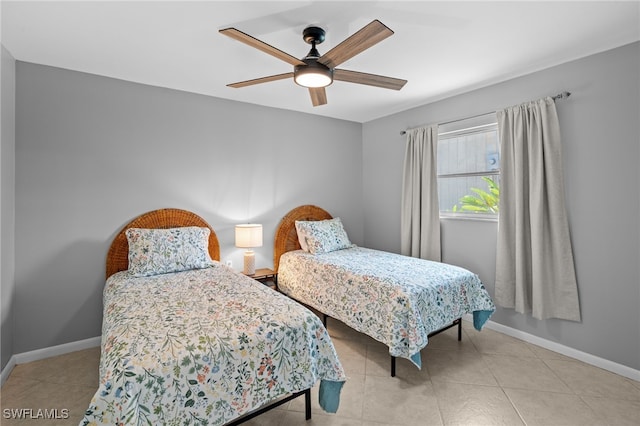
point(318, 96)
point(368, 79)
point(366, 37)
point(261, 80)
point(260, 45)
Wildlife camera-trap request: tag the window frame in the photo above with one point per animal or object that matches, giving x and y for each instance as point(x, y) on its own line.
point(473, 125)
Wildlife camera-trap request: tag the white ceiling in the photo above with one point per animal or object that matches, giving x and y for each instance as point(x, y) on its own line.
point(441, 48)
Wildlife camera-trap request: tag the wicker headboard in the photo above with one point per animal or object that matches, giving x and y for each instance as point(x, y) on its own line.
point(286, 238)
point(118, 255)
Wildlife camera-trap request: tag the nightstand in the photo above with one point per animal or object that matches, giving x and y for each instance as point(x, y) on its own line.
point(267, 277)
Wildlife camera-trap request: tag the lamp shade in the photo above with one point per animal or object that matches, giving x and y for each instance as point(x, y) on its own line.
point(249, 235)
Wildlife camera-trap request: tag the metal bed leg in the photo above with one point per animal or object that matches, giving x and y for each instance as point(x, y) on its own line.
point(393, 366)
point(307, 404)
point(459, 330)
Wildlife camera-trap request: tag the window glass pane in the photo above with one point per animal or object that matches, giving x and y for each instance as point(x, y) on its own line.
point(469, 194)
point(468, 153)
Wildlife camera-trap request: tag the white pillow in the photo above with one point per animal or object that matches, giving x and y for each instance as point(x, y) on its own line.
point(160, 251)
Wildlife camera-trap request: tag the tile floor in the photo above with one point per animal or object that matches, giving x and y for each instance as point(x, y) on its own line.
point(487, 379)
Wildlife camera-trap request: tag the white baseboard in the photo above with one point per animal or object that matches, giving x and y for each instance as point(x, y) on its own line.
point(605, 364)
point(65, 348)
point(7, 370)
point(49, 352)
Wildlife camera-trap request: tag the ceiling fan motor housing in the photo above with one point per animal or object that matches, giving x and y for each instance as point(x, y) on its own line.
point(313, 73)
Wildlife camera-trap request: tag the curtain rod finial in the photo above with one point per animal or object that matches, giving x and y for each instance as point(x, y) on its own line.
point(562, 95)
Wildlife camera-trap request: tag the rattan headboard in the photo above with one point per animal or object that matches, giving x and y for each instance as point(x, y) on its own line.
point(118, 255)
point(286, 238)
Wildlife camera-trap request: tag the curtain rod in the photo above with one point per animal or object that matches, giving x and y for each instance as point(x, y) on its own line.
point(561, 95)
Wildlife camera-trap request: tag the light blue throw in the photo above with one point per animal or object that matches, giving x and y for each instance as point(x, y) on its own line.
point(480, 317)
point(329, 397)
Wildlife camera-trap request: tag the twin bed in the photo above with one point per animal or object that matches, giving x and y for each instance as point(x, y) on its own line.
point(398, 300)
point(186, 340)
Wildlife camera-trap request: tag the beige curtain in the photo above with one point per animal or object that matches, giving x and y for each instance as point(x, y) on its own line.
point(420, 212)
point(534, 266)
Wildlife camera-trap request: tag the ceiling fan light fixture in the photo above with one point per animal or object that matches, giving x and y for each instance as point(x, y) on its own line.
point(316, 71)
point(312, 74)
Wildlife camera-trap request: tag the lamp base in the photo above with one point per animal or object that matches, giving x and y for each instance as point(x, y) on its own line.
point(249, 263)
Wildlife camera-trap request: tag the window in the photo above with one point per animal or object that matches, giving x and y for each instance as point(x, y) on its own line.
point(469, 168)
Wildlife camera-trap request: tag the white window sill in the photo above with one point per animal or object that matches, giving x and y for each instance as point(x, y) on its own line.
point(469, 216)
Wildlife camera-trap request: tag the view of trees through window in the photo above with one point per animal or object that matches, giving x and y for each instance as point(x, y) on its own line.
point(469, 170)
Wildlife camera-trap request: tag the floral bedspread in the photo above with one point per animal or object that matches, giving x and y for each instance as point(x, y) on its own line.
point(397, 300)
point(204, 347)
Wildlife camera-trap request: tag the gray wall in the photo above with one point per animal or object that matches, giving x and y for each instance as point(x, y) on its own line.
point(7, 202)
point(600, 130)
point(92, 153)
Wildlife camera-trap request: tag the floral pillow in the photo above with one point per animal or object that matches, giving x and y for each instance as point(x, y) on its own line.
point(322, 236)
point(160, 251)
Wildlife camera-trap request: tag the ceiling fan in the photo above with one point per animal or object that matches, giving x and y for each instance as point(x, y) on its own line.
point(315, 71)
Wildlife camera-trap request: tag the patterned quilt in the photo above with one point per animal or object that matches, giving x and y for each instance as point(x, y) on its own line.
point(397, 300)
point(204, 347)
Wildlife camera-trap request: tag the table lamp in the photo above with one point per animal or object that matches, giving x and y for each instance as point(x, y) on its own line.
point(249, 235)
